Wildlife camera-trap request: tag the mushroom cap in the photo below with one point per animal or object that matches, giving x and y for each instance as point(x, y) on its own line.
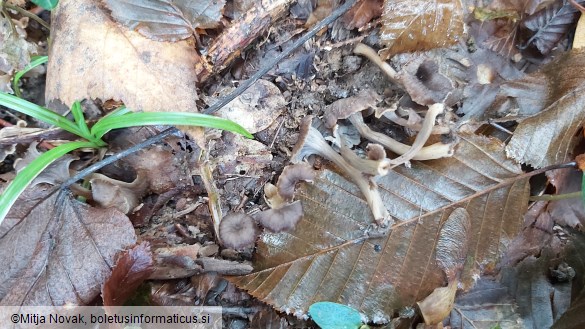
point(238, 231)
point(375, 151)
point(282, 219)
point(343, 108)
point(291, 175)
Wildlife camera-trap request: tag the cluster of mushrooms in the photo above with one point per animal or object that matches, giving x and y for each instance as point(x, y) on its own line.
point(284, 213)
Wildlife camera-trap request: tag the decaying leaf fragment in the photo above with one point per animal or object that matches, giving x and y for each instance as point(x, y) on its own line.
point(15, 52)
point(110, 62)
point(548, 137)
point(550, 24)
point(326, 258)
point(452, 247)
point(420, 25)
point(58, 252)
point(167, 20)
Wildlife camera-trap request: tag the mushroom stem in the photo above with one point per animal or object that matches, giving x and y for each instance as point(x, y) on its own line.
point(367, 166)
point(423, 135)
point(362, 49)
point(434, 151)
point(315, 144)
point(437, 130)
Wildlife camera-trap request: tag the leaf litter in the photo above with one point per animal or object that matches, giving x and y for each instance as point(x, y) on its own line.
point(329, 255)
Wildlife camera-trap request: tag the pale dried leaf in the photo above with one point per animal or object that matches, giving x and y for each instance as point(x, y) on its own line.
point(420, 25)
point(59, 252)
point(548, 137)
point(15, 51)
point(256, 108)
point(56, 173)
point(325, 258)
point(167, 20)
point(109, 62)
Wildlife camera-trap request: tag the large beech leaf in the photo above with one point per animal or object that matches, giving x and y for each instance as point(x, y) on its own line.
point(420, 25)
point(548, 137)
point(57, 251)
point(326, 259)
point(109, 62)
point(167, 20)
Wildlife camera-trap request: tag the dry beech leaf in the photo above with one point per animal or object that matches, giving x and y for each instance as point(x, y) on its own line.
point(325, 258)
point(548, 137)
point(486, 305)
point(167, 20)
point(362, 13)
point(131, 270)
point(60, 252)
point(550, 24)
point(110, 62)
point(417, 25)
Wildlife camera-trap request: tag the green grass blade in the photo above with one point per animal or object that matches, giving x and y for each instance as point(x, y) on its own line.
point(36, 61)
point(80, 119)
point(28, 174)
point(39, 112)
point(47, 4)
point(168, 119)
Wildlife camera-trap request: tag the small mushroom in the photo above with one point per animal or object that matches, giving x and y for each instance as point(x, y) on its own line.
point(434, 151)
point(343, 108)
point(281, 219)
point(238, 231)
point(290, 176)
point(272, 197)
point(312, 142)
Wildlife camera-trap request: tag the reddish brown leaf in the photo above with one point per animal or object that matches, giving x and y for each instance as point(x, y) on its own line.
point(59, 252)
point(362, 13)
point(131, 270)
point(420, 25)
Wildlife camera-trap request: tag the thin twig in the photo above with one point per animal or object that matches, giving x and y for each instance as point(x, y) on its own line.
point(555, 197)
point(28, 14)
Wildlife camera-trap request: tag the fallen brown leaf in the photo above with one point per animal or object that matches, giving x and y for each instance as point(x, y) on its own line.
point(131, 270)
point(326, 258)
point(362, 13)
point(60, 251)
point(420, 25)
